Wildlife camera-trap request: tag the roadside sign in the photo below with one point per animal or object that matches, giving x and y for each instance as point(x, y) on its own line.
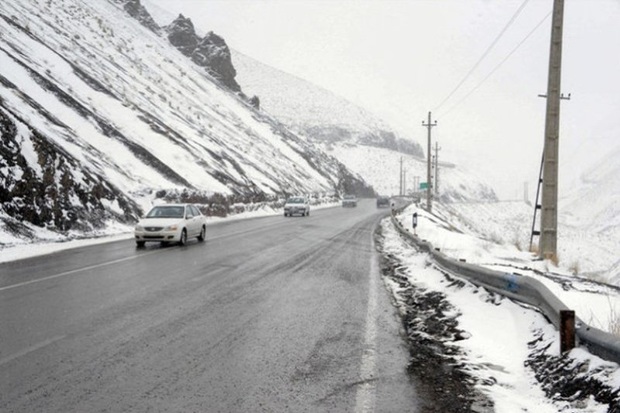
point(423, 185)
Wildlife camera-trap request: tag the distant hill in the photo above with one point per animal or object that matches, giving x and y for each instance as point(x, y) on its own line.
point(592, 207)
point(381, 169)
point(315, 112)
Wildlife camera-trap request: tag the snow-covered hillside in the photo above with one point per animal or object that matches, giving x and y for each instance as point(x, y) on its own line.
point(590, 211)
point(311, 110)
point(98, 112)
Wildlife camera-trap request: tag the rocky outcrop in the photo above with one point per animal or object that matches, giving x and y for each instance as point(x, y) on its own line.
point(213, 54)
point(136, 10)
point(139, 12)
point(182, 35)
point(210, 52)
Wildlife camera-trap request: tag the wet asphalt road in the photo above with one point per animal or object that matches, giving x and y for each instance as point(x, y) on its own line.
point(268, 315)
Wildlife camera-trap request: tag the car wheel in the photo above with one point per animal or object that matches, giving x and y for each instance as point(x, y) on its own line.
point(183, 239)
point(140, 244)
point(201, 236)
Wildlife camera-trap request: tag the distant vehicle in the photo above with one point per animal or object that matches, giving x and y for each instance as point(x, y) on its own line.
point(349, 201)
point(383, 202)
point(297, 205)
point(171, 223)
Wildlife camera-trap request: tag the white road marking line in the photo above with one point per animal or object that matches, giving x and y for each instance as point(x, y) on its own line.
point(30, 349)
point(365, 398)
point(62, 274)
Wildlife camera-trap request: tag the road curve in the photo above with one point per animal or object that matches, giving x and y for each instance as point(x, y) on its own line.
point(268, 315)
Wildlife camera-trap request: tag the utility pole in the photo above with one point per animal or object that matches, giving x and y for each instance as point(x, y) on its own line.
point(549, 215)
point(437, 149)
point(433, 173)
point(400, 189)
point(429, 195)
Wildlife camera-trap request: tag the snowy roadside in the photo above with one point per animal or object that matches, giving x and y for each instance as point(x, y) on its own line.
point(509, 352)
point(13, 248)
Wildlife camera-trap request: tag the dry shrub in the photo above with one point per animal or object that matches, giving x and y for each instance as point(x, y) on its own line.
point(516, 241)
point(496, 239)
point(613, 323)
point(574, 268)
point(614, 319)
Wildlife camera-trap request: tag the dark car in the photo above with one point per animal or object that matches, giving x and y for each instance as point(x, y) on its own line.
point(383, 202)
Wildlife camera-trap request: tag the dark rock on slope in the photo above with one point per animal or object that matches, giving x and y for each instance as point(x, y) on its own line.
point(139, 12)
point(56, 192)
point(210, 52)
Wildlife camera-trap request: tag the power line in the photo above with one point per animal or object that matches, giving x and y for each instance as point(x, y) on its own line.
point(498, 66)
point(512, 19)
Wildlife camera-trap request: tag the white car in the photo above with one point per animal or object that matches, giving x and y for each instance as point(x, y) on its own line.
point(349, 201)
point(171, 223)
point(297, 205)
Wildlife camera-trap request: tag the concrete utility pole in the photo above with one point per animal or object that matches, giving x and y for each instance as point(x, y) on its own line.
point(437, 149)
point(549, 215)
point(429, 195)
point(400, 189)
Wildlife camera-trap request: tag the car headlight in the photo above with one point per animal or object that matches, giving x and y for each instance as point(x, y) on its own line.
point(171, 227)
point(139, 228)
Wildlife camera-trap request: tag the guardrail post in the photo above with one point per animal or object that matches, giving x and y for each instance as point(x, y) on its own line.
point(567, 330)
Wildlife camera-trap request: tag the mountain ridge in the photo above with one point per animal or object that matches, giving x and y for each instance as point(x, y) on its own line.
point(116, 107)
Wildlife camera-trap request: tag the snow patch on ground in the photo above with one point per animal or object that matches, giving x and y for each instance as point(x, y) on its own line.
point(511, 350)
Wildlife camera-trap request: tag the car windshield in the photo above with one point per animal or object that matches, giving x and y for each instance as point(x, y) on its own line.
point(166, 212)
point(295, 201)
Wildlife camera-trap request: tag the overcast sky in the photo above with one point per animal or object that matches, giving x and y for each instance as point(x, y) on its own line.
point(403, 58)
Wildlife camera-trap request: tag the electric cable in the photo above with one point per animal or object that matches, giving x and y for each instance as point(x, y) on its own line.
point(497, 38)
point(498, 66)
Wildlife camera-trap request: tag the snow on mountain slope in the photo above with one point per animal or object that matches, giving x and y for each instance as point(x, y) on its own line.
point(591, 209)
point(595, 197)
point(98, 111)
point(314, 111)
point(298, 102)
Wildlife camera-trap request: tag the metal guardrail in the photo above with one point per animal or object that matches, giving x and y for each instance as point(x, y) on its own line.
point(523, 289)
